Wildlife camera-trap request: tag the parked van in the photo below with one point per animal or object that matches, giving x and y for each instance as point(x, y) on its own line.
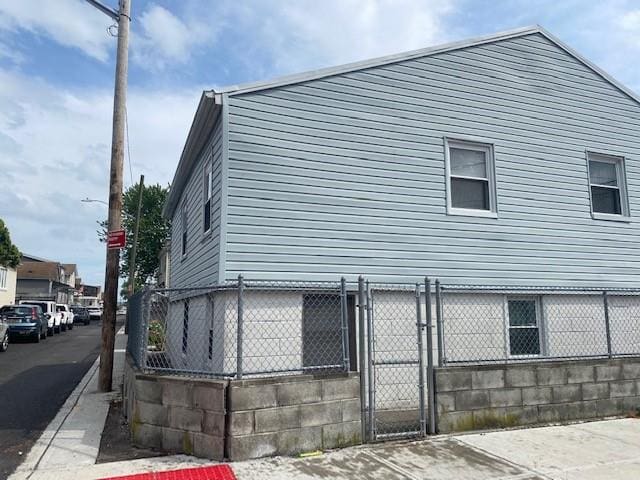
point(53, 316)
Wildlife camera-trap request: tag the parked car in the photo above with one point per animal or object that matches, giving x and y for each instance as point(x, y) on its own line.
point(67, 316)
point(25, 321)
point(80, 314)
point(4, 335)
point(95, 313)
point(54, 318)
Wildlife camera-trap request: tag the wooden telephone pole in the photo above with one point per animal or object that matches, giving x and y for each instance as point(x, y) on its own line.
point(123, 17)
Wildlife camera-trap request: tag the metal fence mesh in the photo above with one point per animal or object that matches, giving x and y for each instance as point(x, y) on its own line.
point(243, 329)
point(485, 325)
point(394, 360)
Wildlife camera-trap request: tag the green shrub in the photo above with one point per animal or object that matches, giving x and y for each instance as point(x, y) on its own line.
point(156, 335)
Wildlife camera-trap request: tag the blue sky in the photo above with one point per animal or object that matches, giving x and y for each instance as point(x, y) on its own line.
point(57, 68)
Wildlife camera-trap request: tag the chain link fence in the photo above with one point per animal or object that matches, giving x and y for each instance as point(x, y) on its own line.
point(241, 329)
point(393, 334)
point(508, 324)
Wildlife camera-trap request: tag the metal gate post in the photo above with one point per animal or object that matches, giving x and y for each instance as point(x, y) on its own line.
point(439, 324)
point(370, 386)
point(345, 325)
point(240, 328)
point(423, 419)
point(607, 324)
point(361, 358)
point(431, 394)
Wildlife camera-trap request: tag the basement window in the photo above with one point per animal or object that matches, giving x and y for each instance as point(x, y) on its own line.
point(185, 327)
point(524, 326)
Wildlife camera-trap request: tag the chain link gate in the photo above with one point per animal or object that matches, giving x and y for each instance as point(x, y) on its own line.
point(395, 371)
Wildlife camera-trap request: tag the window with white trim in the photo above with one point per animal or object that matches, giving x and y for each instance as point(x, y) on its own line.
point(208, 194)
point(471, 187)
point(524, 326)
point(3, 278)
point(184, 226)
point(607, 186)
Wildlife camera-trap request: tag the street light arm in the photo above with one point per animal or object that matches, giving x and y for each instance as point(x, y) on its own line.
point(91, 200)
point(106, 10)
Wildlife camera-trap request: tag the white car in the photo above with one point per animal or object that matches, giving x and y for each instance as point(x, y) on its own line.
point(67, 316)
point(95, 313)
point(50, 310)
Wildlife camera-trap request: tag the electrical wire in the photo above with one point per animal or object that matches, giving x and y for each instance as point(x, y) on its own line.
point(126, 124)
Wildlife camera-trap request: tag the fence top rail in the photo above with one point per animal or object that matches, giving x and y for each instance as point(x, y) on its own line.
point(538, 289)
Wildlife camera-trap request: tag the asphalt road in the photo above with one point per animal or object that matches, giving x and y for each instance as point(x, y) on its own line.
point(35, 381)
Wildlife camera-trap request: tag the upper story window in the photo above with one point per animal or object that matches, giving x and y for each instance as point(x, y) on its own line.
point(3, 278)
point(208, 194)
point(471, 185)
point(184, 228)
point(607, 185)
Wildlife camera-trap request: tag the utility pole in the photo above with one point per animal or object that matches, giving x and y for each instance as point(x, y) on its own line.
point(123, 17)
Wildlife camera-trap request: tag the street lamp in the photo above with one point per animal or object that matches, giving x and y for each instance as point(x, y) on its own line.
point(91, 200)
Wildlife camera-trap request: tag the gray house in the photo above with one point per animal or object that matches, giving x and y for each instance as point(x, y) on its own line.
point(507, 160)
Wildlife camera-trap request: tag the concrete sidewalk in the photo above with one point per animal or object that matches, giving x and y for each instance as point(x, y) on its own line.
point(587, 451)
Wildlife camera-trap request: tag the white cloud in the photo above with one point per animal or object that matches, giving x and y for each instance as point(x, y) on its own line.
point(630, 23)
point(72, 23)
point(288, 36)
point(163, 39)
point(55, 150)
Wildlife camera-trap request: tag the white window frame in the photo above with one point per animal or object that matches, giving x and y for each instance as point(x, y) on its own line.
point(207, 193)
point(476, 145)
point(540, 324)
point(4, 274)
point(184, 230)
point(621, 177)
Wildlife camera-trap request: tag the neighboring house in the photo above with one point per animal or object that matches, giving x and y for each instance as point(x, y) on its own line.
point(88, 295)
point(508, 160)
point(7, 285)
point(43, 280)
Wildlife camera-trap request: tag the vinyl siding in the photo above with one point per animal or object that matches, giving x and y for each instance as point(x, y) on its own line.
point(200, 265)
point(345, 175)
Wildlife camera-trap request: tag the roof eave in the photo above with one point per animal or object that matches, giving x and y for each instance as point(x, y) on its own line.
point(204, 118)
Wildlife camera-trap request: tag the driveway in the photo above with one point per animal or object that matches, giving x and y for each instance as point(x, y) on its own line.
point(586, 451)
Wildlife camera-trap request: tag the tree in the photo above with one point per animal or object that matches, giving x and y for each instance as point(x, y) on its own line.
point(9, 253)
point(152, 233)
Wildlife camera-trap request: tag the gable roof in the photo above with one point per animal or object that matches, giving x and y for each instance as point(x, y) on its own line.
point(211, 101)
point(39, 270)
point(423, 52)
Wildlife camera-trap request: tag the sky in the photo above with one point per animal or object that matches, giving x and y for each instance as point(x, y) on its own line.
point(57, 63)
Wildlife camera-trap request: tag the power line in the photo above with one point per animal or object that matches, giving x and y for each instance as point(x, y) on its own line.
point(126, 123)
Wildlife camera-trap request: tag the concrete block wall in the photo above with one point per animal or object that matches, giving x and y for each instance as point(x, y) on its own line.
point(289, 415)
point(175, 414)
point(484, 397)
point(574, 325)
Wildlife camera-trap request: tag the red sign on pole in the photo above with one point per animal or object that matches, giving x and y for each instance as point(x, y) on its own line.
point(116, 239)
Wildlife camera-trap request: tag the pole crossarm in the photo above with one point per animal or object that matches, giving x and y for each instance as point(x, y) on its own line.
point(104, 9)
